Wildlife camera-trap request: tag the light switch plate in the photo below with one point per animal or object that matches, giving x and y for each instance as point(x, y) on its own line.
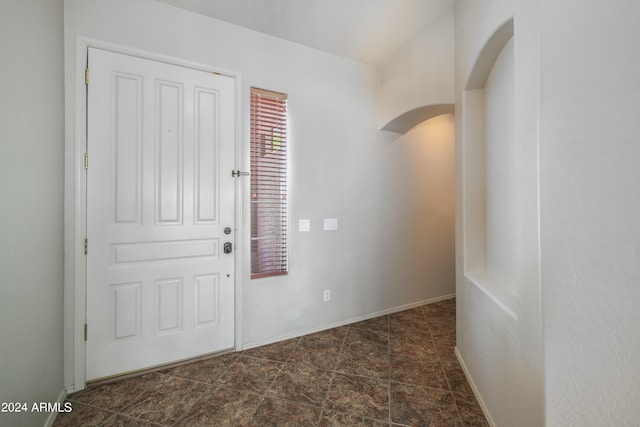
point(330, 223)
point(304, 225)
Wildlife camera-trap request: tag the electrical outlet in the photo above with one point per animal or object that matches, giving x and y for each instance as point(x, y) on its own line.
point(327, 295)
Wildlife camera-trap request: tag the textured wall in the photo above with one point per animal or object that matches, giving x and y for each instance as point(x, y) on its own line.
point(590, 181)
point(576, 91)
point(499, 325)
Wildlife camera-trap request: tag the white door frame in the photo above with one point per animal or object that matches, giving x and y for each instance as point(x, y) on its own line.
point(76, 207)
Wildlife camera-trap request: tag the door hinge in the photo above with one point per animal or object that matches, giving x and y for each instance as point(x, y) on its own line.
point(85, 331)
point(86, 246)
point(236, 173)
point(86, 76)
point(86, 161)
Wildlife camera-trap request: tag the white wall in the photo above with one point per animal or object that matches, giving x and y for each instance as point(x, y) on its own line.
point(31, 218)
point(499, 326)
point(421, 73)
point(590, 183)
point(419, 209)
point(390, 194)
point(501, 228)
point(569, 355)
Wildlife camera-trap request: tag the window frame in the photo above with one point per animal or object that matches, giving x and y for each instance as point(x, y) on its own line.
point(269, 187)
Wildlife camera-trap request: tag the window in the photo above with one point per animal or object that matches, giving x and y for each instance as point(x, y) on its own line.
point(269, 201)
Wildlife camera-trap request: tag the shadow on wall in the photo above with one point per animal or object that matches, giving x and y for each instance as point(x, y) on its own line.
point(407, 121)
point(491, 211)
point(419, 203)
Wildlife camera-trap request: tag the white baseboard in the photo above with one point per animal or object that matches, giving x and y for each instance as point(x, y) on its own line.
point(483, 406)
point(303, 332)
point(53, 415)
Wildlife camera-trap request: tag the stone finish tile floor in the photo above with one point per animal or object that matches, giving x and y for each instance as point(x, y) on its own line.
point(393, 370)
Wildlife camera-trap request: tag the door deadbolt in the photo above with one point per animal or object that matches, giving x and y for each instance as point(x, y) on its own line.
point(227, 247)
point(227, 230)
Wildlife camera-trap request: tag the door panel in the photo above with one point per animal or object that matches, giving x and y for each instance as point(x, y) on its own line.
point(159, 194)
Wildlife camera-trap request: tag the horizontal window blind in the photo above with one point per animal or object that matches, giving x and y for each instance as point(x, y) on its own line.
point(269, 183)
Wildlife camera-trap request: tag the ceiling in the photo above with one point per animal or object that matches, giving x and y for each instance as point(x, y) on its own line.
point(364, 30)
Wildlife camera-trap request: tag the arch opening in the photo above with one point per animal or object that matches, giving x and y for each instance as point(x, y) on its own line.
point(410, 119)
point(490, 208)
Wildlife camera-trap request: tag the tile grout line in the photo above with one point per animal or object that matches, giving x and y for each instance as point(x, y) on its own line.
point(215, 385)
point(433, 322)
point(446, 377)
point(264, 396)
point(283, 364)
point(133, 401)
point(333, 374)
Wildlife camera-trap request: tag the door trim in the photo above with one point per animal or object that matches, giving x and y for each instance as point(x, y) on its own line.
point(75, 287)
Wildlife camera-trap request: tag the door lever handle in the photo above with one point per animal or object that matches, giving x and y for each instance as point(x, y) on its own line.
point(236, 173)
point(227, 248)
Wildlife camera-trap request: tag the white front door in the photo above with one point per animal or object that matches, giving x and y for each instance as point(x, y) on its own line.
point(160, 208)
